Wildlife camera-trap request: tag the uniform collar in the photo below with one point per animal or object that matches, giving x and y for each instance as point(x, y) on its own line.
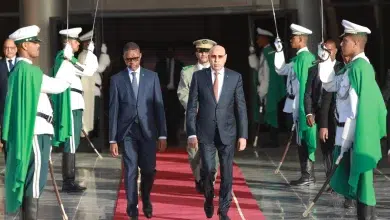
point(24, 59)
point(361, 55)
point(200, 66)
point(302, 49)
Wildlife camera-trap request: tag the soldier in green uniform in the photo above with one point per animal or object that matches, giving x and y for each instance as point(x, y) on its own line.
point(271, 87)
point(28, 122)
point(69, 106)
point(203, 47)
point(297, 73)
point(362, 111)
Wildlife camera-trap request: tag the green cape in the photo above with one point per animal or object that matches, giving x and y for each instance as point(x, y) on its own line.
point(24, 87)
point(61, 107)
point(302, 62)
point(276, 89)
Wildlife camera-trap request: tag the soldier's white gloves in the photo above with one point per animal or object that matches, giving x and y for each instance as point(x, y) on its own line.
point(91, 46)
point(68, 51)
point(278, 45)
point(345, 146)
point(104, 48)
point(323, 52)
point(252, 49)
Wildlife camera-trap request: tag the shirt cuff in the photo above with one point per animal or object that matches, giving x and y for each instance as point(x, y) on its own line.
point(308, 115)
point(112, 142)
point(162, 137)
point(191, 136)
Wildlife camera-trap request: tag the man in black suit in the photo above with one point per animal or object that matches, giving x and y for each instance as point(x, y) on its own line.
point(320, 108)
point(136, 121)
point(216, 123)
point(6, 65)
point(169, 69)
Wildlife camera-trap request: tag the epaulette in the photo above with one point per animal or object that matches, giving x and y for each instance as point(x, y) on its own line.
point(271, 52)
point(187, 67)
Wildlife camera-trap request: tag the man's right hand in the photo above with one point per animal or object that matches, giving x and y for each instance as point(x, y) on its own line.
point(193, 142)
point(310, 120)
point(68, 52)
point(114, 149)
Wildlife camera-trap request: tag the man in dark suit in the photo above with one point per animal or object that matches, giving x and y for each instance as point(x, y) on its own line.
point(320, 108)
point(216, 123)
point(169, 69)
point(6, 65)
point(136, 121)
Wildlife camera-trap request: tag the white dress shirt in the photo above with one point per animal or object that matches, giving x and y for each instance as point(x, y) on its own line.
point(13, 62)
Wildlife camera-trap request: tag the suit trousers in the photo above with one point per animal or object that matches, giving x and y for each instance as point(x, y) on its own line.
point(226, 155)
point(327, 150)
point(138, 152)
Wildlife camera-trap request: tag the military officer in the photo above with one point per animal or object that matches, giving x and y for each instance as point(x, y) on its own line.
point(202, 47)
point(297, 73)
point(271, 87)
point(68, 116)
point(28, 123)
point(361, 110)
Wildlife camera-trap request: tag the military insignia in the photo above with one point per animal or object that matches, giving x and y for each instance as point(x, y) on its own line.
point(204, 41)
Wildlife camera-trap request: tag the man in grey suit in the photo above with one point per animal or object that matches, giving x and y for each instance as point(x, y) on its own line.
point(220, 118)
point(136, 122)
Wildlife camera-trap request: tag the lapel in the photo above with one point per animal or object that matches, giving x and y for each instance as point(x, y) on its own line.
point(126, 79)
point(209, 82)
point(141, 85)
point(224, 85)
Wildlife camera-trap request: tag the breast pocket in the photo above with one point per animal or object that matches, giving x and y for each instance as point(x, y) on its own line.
point(344, 87)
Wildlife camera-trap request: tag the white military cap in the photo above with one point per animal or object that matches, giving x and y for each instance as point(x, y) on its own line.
point(264, 32)
point(204, 43)
point(352, 28)
point(87, 36)
point(26, 34)
point(72, 33)
point(299, 30)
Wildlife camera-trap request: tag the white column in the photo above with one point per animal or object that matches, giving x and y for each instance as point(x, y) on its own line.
point(38, 12)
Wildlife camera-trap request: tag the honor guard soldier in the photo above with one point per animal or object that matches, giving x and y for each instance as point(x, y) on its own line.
point(271, 87)
point(28, 120)
point(361, 115)
point(69, 107)
point(203, 47)
point(297, 73)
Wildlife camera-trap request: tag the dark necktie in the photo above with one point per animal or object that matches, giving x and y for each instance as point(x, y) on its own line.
point(135, 85)
point(11, 65)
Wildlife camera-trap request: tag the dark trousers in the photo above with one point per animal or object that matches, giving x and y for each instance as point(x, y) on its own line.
point(225, 154)
point(327, 149)
point(138, 152)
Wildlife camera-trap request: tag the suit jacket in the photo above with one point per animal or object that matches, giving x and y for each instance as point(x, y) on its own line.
point(229, 115)
point(317, 100)
point(124, 107)
point(163, 70)
point(3, 86)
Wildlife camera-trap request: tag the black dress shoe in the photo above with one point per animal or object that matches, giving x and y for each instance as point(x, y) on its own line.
point(133, 218)
point(209, 209)
point(302, 181)
point(147, 209)
point(72, 186)
point(348, 204)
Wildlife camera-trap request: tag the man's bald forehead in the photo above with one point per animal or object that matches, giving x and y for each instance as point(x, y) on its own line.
point(217, 49)
point(331, 42)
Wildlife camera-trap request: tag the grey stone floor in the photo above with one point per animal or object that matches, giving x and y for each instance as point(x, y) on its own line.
point(276, 199)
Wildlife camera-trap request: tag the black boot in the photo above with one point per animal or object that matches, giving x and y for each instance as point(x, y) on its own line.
point(29, 209)
point(68, 174)
point(365, 212)
point(307, 168)
point(147, 181)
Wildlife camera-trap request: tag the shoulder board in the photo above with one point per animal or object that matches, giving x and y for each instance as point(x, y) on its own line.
point(271, 52)
point(187, 67)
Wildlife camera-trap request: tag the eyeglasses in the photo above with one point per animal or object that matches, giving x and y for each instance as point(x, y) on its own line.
point(202, 50)
point(132, 59)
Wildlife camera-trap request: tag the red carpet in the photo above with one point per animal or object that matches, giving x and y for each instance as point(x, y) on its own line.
point(174, 196)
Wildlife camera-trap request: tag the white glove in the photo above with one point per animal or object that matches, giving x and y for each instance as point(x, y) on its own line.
point(345, 146)
point(68, 51)
point(278, 44)
point(91, 46)
point(251, 49)
point(323, 53)
point(104, 48)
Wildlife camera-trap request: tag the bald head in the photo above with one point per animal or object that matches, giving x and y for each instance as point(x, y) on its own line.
point(9, 49)
point(331, 46)
point(217, 57)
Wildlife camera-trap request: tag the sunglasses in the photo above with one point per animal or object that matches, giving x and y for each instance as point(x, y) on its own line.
point(202, 50)
point(132, 59)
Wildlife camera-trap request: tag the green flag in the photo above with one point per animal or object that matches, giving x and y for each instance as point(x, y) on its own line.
point(61, 107)
point(302, 62)
point(24, 86)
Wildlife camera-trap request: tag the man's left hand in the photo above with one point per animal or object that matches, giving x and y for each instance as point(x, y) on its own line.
point(241, 144)
point(310, 120)
point(162, 145)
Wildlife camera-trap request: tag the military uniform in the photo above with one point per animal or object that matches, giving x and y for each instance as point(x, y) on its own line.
point(202, 45)
point(297, 73)
point(360, 110)
point(271, 87)
point(68, 110)
point(28, 127)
